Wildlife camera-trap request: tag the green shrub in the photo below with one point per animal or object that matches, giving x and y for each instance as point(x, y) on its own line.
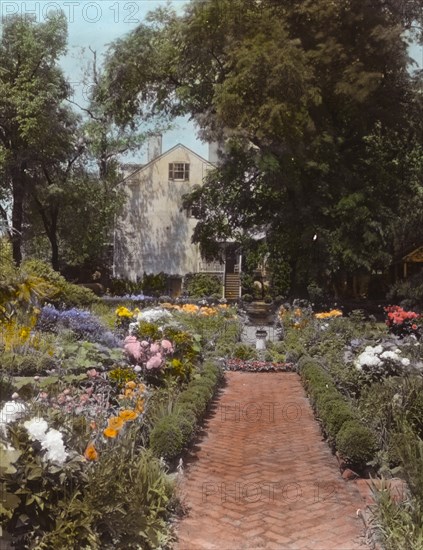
point(335, 412)
point(244, 352)
point(187, 421)
point(68, 294)
point(166, 438)
point(194, 401)
point(356, 443)
point(199, 285)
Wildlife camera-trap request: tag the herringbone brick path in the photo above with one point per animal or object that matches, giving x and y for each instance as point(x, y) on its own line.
point(262, 478)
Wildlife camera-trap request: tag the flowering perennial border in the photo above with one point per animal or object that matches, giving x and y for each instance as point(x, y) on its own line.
point(257, 366)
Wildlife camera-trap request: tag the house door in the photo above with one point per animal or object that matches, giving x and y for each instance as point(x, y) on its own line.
point(231, 260)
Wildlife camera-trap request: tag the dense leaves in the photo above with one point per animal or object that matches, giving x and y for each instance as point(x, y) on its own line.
point(316, 105)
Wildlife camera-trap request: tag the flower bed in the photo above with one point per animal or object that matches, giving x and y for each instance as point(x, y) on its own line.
point(257, 366)
point(86, 446)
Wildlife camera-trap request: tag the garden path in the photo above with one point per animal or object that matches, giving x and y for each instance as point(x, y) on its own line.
point(262, 478)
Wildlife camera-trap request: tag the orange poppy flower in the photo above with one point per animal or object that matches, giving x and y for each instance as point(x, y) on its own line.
point(129, 393)
point(91, 452)
point(110, 432)
point(127, 415)
point(131, 385)
point(115, 423)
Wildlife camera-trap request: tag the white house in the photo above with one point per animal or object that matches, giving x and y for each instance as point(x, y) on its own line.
point(153, 234)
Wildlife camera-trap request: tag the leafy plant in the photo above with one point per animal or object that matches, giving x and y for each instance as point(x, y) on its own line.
point(199, 285)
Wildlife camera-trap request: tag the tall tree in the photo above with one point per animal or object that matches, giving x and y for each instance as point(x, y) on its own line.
point(302, 91)
point(32, 89)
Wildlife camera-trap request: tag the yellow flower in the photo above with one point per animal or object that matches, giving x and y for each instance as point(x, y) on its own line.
point(91, 452)
point(123, 311)
point(24, 333)
point(110, 432)
point(127, 415)
point(115, 423)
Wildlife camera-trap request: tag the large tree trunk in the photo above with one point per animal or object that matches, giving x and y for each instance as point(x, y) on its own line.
point(52, 235)
point(18, 195)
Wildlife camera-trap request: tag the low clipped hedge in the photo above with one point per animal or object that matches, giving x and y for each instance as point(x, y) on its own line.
point(173, 432)
point(340, 420)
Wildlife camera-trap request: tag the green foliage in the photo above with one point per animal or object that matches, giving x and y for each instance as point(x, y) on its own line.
point(67, 294)
point(121, 375)
point(166, 439)
point(244, 351)
point(131, 493)
point(199, 285)
point(177, 417)
point(321, 143)
point(408, 293)
point(399, 524)
point(356, 443)
point(155, 285)
point(340, 420)
point(148, 331)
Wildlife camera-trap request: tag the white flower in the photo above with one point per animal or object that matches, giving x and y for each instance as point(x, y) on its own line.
point(153, 315)
point(368, 359)
point(11, 411)
point(53, 443)
point(137, 368)
point(132, 327)
point(36, 428)
point(405, 362)
point(389, 355)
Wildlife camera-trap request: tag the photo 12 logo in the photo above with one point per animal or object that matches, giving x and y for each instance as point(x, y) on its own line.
point(260, 412)
point(270, 491)
point(91, 12)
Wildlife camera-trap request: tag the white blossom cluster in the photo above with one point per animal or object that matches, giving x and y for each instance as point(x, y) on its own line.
point(51, 440)
point(376, 356)
point(151, 315)
point(11, 411)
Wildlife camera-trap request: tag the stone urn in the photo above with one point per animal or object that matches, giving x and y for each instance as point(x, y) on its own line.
point(260, 313)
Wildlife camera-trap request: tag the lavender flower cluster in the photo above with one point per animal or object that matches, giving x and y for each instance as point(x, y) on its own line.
point(82, 323)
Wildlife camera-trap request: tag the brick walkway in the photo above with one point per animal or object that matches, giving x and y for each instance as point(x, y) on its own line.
point(262, 478)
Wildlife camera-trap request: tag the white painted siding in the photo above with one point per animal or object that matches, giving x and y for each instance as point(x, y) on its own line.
point(154, 234)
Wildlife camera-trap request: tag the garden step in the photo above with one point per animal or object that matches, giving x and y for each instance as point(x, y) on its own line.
point(232, 282)
point(262, 478)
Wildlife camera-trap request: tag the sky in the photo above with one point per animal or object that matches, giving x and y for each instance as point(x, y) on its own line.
point(97, 23)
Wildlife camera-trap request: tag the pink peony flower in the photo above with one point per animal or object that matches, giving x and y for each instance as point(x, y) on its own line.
point(166, 345)
point(132, 347)
point(154, 348)
point(155, 361)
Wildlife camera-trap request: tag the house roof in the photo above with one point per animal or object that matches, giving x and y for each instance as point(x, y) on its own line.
point(145, 166)
point(415, 255)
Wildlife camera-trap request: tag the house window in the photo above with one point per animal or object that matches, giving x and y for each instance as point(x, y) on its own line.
point(179, 171)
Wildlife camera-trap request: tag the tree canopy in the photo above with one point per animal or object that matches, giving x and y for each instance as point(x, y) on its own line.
point(319, 107)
